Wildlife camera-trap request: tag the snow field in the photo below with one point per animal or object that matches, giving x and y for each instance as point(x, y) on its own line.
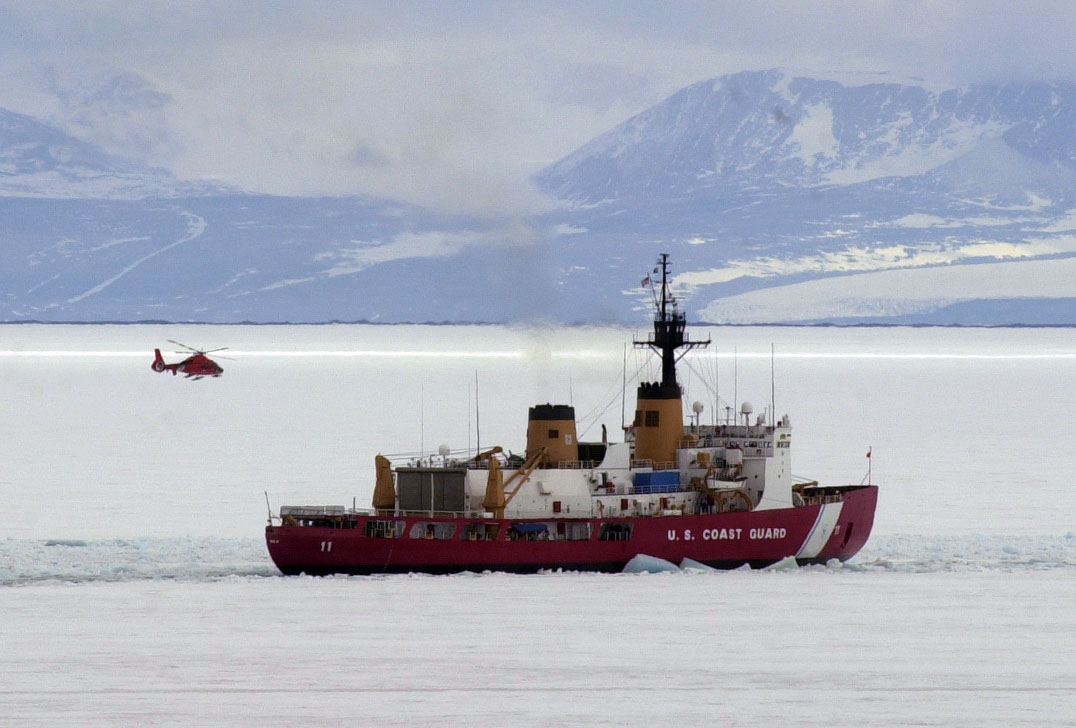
point(805, 648)
point(135, 588)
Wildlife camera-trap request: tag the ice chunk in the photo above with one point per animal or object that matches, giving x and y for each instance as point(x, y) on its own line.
point(788, 563)
point(692, 565)
point(643, 564)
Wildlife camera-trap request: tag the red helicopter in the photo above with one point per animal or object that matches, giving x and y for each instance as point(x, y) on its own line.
point(197, 365)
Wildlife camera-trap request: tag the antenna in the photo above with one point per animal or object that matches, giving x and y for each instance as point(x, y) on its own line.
point(477, 422)
point(773, 407)
point(717, 387)
point(624, 388)
point(735, 377)
point(667, 337)
point(422, 418)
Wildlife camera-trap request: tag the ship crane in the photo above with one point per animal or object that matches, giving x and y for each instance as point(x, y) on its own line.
point(496, 499)
point(487, 454)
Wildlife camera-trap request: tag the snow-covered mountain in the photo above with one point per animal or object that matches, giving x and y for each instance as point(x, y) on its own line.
point(753, 131)
point(759, 182)
point(39, 160)
point(89, 236)
point(781, 199)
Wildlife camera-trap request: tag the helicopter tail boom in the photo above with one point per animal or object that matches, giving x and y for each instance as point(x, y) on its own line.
point(158, 362)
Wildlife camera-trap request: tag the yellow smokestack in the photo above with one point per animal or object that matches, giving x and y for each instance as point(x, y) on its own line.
point(552, 426)
point(659, 423)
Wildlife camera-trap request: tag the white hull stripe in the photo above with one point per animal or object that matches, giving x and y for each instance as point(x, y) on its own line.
point(824, 524)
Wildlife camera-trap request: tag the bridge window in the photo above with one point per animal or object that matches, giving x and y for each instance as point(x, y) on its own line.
point(573, 531)
point(427, 529)
point(527, 531)
point(615, 532)
point(384, 529)
point(481, 531)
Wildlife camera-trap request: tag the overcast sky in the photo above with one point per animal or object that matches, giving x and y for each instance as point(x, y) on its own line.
point(454, 104)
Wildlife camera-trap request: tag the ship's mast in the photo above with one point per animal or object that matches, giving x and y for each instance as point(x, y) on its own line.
point(669, 334)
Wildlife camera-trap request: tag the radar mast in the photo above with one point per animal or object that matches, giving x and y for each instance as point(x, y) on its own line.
point(659, 410)
point(669, 335)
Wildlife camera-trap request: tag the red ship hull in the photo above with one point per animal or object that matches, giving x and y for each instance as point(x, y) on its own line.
point(811, 534)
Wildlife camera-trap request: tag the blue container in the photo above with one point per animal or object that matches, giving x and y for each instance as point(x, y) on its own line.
point(665, 477)
point(663, 481)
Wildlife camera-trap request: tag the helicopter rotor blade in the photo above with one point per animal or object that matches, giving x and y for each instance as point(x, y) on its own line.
point(180, 343)
point(187, 349)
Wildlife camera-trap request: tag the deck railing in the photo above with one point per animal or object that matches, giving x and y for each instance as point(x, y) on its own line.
point(578, 464)
point(654, 464)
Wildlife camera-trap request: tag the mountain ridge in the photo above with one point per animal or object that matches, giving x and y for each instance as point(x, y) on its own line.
point(756, 183)
point(759, 180)
point(40, 160)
